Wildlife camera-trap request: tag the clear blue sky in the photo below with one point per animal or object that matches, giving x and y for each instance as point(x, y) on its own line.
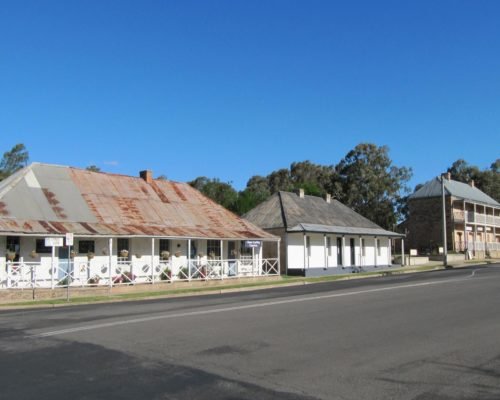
point(231, 89)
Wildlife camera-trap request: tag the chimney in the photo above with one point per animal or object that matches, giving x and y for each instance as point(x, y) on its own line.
point(328, 198)
point(301, 193)
point(448, 176)
point(471, 183)
point(147, 175)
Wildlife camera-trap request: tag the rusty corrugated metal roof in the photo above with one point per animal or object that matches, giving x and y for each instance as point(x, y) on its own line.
point(49, 199)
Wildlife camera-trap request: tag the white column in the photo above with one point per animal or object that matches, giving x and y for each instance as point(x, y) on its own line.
point(189, 258)
point(259, 261)
point(278, 256)
point(110, 261)
point(343, 251)
point(52, 266)
point(402, 252)
point(389, 251)
point(325, 251)
point(152, 260)
point(222, 257)
point(305, 251)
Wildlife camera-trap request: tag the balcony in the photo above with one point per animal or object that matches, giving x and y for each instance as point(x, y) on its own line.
point(475, 218)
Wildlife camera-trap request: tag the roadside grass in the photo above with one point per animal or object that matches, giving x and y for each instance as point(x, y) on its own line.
point(285, 280)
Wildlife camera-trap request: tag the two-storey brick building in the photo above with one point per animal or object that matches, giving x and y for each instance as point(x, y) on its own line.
point(472, 219)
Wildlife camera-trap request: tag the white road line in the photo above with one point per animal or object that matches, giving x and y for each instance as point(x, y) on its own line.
point(237, 308)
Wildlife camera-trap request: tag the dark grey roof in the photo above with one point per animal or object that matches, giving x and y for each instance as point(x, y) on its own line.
point(455, 189)
point(311, 214)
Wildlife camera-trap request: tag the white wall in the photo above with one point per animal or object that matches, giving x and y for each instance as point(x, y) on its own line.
point(316, 259)
point(295, 250)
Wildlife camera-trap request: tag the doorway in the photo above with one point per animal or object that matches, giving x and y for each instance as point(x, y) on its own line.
point(353, 251)
point(339, 252)
point(64, 264)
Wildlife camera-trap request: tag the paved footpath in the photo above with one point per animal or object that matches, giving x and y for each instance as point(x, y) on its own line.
point(421, 336)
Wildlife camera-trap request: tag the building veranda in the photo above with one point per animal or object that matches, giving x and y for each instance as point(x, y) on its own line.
point(126, 230)
point(472, 219)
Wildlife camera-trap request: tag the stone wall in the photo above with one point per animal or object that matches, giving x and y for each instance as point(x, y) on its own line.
point(424, 224)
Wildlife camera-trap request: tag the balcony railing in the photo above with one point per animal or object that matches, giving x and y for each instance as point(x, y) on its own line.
point(24, 275)
point(477, 246)
point(476, 218)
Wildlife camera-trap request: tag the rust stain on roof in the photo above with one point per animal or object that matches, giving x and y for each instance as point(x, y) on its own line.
point(54, 203)
point(178, 191)
point(48, 227)
point(159, 192)
point(124, 205)
point(88, 227)
point(3, 209)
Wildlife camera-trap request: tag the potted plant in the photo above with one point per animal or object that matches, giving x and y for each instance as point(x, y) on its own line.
point(124, 253)
point(128, 277)
point(165, 255)
point(183, 273)
point(177, 253)
point(94, 281)
point(166, 274)
point(33, 254)
point(90, 255)
point(11, 255)
point(138, 255)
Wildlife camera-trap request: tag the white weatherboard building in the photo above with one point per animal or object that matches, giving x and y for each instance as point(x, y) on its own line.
point(126, 230)
point(322, 236)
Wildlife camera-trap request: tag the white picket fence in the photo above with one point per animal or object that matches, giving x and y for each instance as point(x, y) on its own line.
point(23, 275)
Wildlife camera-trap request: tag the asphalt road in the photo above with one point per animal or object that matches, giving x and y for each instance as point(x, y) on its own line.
point(422, 336)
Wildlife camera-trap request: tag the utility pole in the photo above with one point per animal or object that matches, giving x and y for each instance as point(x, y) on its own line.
point(445, 247)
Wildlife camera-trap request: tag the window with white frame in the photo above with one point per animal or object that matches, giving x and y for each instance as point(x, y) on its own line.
point(379, 250)
point(308, 245)
point(363, 247)
point(329, 245)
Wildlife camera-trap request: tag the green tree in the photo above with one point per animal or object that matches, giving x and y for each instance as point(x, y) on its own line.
point(13, 160)
point(315, 179)
point(372, 186)
point(256, 191)
point(220, 192)
point(487, 180)
point(93, 168)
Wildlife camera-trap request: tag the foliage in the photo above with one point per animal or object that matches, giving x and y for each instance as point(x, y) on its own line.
point(13, 160)
point(183, 273)
point(220, 192)
point(365, 179)
point(166, 274)
point(373, 186)
point(487, 180)
point(93, 168)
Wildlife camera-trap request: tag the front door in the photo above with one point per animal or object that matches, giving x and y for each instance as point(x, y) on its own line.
point(339, 252)
point(64, 264)
point(353, 252)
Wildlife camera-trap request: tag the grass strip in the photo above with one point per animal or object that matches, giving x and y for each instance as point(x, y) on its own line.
point(285, 280)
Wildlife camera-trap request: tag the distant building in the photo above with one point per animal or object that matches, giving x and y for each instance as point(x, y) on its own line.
point(126, 230)
point(322, 236)
point(472, 219)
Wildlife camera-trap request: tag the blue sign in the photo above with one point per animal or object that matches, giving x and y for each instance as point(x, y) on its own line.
point(252, 244)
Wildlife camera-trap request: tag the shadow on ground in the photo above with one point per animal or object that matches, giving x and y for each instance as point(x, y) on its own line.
point(60, 370)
